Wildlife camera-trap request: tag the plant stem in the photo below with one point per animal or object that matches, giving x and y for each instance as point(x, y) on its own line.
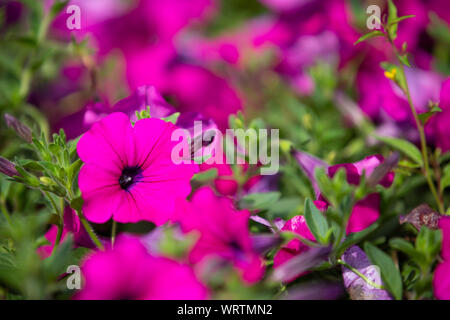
point(420, 128)
point(367, 280)
point(91, 232)
point(113, 233)
point(423, 141)
point(5, 211)
point(55, 207)
point(58, 238)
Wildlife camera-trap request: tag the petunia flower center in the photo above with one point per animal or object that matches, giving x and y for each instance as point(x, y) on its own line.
point(130, 175)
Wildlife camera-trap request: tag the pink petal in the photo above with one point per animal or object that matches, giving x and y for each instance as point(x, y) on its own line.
point(441, 281)
point(108, 143)
point(364, 213)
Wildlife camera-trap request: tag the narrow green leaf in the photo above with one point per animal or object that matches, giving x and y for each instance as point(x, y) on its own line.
point(445, 181)
point(316, 221)
point(205, 175)
point(404, 246)
point(392, 16)
point(404, 59)
point(259, 201)
point(172, 118)
point(389, 272)
point(370, 35)
point(405, 147)
point(397, 20)
point(354, 238)
point(424, 117)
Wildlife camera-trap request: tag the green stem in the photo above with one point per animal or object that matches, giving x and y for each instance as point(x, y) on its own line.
point(423, 141)
point(55, 207)
point(5, 211)
point(113, 233)
point(420, 128)
point(90, 231)
point(58, 238)
point(367, 280)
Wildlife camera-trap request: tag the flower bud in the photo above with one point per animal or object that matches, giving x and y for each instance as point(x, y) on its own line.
point(22, 130)
point(46, 181)
point(8, 168)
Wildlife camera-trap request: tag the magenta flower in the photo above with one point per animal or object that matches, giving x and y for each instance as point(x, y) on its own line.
point(364, 213)
point(129, 272)
point(72, 225)
point(132, 25)
point(223, 233)
point(128, 172)
point(193, 87)
point(441, 279)
point(439, 124)
point(295, 247)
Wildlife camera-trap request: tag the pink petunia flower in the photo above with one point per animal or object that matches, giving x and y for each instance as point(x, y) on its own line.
point(441, 279)
point(295, 247)
point(223, 233)
point(72, 224)
point(129, 272)
point(128, 172)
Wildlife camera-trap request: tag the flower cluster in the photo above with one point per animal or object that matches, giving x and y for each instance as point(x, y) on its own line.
point(138, 137)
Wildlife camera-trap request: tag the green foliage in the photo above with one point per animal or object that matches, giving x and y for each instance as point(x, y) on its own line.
point(317, 223)
point(389, 272)
point(405, 147)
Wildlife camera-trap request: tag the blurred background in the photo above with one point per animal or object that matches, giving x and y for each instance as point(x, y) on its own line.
point(286, 64)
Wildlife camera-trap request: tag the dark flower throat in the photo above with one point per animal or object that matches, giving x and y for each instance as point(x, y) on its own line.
point(130, 175)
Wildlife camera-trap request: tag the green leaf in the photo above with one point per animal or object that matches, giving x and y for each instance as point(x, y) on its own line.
point(172, 118)
point(445, 180)
point(397, 20)
point(428, 243)
point(74, 169)
point(77, 204)
point(406, 247)
point(404, 146)
point(389, 272)
point(259, 201)
point(316, 222)
point(424, 117)
point(354, 238)
point(205, 175)
point(392, 17)
point(370, 35)
point(201, 159)
point(404, 59)
point(57, 7)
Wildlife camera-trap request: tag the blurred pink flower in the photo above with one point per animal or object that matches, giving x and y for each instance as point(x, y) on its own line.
point(192, 87)
point(364, 213)
point(223, 232)
point(72, 224)
point(366, 210)
point(285, 5)
point(128, 172)
point(129, 272)
point(377, 93)
point(441, 279)
point(295, 247)
point(439, 124)
point(133, 25)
